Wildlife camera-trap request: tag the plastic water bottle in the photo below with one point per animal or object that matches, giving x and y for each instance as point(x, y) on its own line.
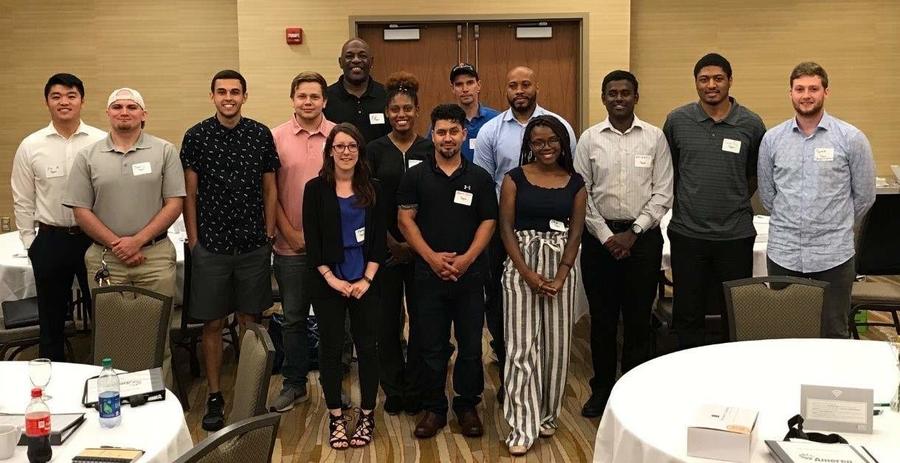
point(37, 428)
point(108, 396)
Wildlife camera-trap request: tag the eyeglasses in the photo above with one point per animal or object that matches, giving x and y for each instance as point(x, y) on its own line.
point(540, 144)
point(352, 148)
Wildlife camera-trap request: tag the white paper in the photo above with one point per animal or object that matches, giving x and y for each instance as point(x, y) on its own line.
point(556, 225)
point(732, 146)
point(414, 162)
point(472, 143)
point(643, 161)
point(731, 419)
point(54, 171)
point(140, 168)
point(824, 154)
point(360, 234)
point(840, 411)
point(463, 197)
point(130, 384)
point(376, 118)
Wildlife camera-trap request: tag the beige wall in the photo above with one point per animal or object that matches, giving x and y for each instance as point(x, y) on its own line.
point(857, 42)
point(269, 64)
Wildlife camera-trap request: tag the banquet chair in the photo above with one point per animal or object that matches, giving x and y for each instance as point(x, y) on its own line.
point(18, 336)
point(251, 440)
point(774, 307)
point(130, 327)
point(878, 253)
point(254, 370)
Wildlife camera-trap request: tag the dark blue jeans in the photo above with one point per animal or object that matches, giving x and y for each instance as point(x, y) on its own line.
point(290, 272)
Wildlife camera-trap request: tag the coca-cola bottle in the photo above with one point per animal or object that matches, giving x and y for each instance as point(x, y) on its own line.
point(37, 428)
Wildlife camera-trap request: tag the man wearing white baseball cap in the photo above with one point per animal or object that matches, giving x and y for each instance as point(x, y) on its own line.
point(126, 190)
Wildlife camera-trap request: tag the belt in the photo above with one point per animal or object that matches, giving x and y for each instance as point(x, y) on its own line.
point(618, 226)
point(162, 236)
point(76, 230)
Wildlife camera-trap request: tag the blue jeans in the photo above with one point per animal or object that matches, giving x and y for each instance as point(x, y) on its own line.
point(290, 272)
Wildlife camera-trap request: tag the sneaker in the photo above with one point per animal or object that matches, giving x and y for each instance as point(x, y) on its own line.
point(214, 419)
point(289, 396)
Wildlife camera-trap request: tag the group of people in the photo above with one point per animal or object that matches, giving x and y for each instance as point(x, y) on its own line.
point(373, 225)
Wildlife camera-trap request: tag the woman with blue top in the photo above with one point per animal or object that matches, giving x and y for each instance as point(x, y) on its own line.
point(542, 210)
point(344, 227)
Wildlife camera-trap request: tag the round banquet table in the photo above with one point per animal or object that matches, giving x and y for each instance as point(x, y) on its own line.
point(157, 428)
point(651, 407)
point(17, 277)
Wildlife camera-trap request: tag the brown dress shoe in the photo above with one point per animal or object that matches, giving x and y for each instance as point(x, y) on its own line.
point(429, 425)
point(469, 422)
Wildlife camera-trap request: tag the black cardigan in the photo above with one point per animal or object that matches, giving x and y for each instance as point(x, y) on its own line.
point(322, 228)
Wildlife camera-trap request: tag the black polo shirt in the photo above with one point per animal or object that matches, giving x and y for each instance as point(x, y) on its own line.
point(365, 112)
point(230, 164)
point(388, 165)
point(449, 209)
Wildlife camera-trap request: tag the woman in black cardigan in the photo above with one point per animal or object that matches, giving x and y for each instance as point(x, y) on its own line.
point(344, 227)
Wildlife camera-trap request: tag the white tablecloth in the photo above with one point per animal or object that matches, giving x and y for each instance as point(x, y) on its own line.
point(17, 277)
point(650, 408)
point(157, 428)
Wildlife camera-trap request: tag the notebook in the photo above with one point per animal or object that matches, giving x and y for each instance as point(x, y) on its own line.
point(108, 455)
point(61, 425)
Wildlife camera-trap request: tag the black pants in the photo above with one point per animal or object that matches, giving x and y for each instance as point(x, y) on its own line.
point(330, 313)
point(613, 286)
point(441, 304)
point(57, 257)
point(698, 269)
point(493, 300)
point(399, 376)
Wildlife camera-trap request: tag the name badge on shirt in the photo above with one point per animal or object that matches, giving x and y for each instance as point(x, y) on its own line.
point(643, 160)
point(824, 154)
point(376, 118)
point(463, 197)
point(54, 171)
point(732, 146)
point(556, 225)
point(360, 234)
point(141, 168)
point(414, 162)
point(472, 143)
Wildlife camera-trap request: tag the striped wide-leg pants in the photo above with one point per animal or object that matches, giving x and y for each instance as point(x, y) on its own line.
point(538, 331)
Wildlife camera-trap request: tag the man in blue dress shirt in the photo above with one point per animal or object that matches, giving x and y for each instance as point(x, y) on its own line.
point(817, 178)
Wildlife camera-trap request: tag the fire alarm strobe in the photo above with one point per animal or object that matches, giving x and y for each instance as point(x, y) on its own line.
point(293, 35)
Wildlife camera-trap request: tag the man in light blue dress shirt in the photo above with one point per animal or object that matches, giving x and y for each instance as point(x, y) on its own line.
point(817, 179)
point(497, 150)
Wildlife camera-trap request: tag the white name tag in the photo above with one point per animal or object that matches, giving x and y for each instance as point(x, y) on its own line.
point(360, 234)
point(824, 154)
point(414, 162)
point(472, 143)
point(376, 118)
point(54, 171)
point(141, 168)
point(643, 161)
point(556, 225)
point(463, 197)
point(732, 146)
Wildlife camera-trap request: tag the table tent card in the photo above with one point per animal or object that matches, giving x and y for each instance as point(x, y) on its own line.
point(837, 409)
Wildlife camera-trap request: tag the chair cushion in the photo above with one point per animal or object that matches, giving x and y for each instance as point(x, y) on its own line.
point(21, 313)
point(875, 292)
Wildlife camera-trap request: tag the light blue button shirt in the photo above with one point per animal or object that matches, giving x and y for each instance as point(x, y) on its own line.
point(815, 188)
point(499, 143)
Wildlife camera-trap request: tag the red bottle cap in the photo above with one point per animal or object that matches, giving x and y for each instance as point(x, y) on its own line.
point(36, 392)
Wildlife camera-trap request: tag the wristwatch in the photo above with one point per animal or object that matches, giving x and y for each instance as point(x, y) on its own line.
point(636, 229)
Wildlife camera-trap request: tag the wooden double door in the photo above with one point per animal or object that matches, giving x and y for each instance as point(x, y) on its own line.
point(492, 47)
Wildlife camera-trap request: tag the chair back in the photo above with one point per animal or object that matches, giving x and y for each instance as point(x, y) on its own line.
point(877, 247)
point(130, 326)
point(774, 307)
point(251, 440)
point(251, 386)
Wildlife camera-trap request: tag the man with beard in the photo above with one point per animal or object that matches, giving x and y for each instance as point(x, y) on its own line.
point(497, 150)
point(356, 97)
point(714, 144)
point(817, 179)
point(449, 268)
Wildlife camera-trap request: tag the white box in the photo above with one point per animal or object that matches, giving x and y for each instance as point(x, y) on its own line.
point(722, 433)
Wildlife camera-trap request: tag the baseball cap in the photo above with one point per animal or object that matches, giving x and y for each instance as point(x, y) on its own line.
point(126, 93)
point(461, 69)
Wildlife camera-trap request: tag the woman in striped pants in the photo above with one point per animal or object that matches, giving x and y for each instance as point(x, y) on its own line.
point(542, 209)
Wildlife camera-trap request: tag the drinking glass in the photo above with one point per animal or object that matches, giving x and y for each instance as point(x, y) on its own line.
point(39, 371)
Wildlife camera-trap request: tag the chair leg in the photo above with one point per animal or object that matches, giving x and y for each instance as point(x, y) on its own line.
point(194, 360)
point(71, 355)
point(181, 392)
point(235, 341)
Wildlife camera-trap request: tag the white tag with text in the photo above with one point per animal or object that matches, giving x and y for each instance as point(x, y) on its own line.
point(824, 154)
point(463, 197)
point(54, 171)
point(732, 146)
point(360, 234)
point(643, 161)
point(556, 225)
point(376, 118)
point(141, 168)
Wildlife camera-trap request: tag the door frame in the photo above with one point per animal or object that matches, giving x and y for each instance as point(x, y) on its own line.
point(582, 101)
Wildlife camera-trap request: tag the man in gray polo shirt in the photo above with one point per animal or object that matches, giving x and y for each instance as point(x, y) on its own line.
point(126, 190)
point(714, 144)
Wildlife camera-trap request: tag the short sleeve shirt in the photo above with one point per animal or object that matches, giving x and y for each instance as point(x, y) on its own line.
point(388, 164)
point(125, 190)
point(449, 209)
point(713, 162)
point(365, 112)
point(230, 163)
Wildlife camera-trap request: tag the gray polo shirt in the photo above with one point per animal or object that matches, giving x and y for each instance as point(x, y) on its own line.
point(125, 190)
point(713, 162)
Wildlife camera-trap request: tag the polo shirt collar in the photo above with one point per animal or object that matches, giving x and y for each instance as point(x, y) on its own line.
point(346, 94)
point(139, 144)
point(297, 128)
point(700, 115)
point(482, 112)
point(463, 166)
point(606, 125)
point(508, 114)
point(824, 124)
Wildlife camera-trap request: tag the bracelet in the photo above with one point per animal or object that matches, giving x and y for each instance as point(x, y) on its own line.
point(368, 280)
point(326, 272)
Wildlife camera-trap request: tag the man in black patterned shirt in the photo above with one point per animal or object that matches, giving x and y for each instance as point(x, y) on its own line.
point(229, 169)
